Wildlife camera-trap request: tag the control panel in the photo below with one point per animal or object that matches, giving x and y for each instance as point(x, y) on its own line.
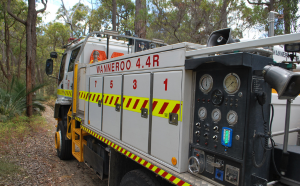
point(226, 115)
point(219, 118)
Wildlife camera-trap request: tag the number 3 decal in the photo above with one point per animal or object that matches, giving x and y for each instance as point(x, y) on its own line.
point(134, 84)
point(111, 84)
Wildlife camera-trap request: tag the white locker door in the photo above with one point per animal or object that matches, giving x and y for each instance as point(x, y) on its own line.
point(112, 105)
point(135, 126)
point(95, 110)
point(166, 100)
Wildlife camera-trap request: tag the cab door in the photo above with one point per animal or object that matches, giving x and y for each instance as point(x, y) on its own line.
point(68, 81)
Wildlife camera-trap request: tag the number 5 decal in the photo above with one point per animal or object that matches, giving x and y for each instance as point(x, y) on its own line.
point(111, 84)
point(134, 84)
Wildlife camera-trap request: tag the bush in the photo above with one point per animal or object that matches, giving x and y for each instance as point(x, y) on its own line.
point(13, 100)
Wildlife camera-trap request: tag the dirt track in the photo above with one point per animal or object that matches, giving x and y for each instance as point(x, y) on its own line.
point(69, 172)
point(40, 165)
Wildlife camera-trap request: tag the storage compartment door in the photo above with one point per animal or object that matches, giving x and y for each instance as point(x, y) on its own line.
point(95, 109)
point(166, 100)
point(135, 126)
point(112, 105)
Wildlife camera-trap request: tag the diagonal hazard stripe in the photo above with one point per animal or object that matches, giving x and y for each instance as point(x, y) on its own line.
point(135, 104)
point(160, 107)
point(111, 100)
point(166, 175)
point(62, 92)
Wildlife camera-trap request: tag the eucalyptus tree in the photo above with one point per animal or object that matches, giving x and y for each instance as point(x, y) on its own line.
point(31, 43)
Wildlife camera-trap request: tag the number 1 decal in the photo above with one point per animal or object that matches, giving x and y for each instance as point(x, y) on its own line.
point(166, 84)
point(95, 84)
point(134, 84)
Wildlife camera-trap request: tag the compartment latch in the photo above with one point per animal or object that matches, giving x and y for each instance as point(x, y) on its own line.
point(173, 118)
point(118, 107)
point(144, 113)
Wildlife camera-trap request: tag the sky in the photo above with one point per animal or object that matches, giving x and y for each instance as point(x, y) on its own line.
point(53, 6)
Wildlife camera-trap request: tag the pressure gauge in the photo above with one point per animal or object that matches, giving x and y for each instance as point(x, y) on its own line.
point(216, 115)
point(231, 83)
point(232, 117)
point(206, 83)
point(202, 113)
point(217, 97)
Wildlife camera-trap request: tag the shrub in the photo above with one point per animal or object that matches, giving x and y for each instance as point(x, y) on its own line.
point(13, 100)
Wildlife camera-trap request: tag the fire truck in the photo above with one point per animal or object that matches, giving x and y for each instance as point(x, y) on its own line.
point(141, 112)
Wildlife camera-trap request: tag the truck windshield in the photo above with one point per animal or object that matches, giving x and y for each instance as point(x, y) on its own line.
point(72, 59)
point(62, 68)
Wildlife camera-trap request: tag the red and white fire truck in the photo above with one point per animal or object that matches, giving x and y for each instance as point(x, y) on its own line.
point(142, 112)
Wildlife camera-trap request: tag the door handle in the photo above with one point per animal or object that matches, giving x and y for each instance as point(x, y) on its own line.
point(144, 113)
point(118, 107)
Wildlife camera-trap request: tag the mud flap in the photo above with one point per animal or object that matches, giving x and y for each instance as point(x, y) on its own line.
point(93, 160)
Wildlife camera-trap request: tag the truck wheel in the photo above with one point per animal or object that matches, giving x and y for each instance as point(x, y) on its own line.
point(139, 177)
point(63, 146)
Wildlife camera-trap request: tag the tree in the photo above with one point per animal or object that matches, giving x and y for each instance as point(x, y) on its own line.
point(68, 15)
point(12, 37)
point(31, 43)
point(140, 18)
point(57, 33)
point(192, 21)
point(287, 8)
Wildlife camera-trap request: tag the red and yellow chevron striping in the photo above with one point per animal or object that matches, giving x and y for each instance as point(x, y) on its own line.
point(63, 92)
point(160, 107)
point(139, 160)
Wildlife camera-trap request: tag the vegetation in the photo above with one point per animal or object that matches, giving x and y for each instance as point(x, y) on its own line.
point(13, 100)
point(172, 21)
point(15, 131)
point(13, 143)
point(8, 168)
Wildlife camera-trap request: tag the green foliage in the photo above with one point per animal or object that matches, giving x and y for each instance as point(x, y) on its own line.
point(17, 129)
point(57, 34)
point(8, 168)
point(13, 100)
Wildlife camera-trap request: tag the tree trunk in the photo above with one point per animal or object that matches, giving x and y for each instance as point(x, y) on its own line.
point(114, 12)
point(140, 18)
point(287, 16)
point(29, 55)
point(224, 13)
point(31, 43)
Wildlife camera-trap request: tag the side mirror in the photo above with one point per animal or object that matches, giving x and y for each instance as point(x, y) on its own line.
point(53, 55)
point(49, 66)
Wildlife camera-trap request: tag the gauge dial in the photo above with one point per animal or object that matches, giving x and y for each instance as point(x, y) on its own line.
point(232, 117)
point(202, 113)
point(216, 115)
point(232, 83)
point(206, 83)
point(217, 97)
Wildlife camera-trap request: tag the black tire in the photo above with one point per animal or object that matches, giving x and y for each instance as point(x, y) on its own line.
point(139, 177)
point(65, 150)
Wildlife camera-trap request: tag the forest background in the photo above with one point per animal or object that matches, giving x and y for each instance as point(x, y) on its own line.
point(170, 20)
